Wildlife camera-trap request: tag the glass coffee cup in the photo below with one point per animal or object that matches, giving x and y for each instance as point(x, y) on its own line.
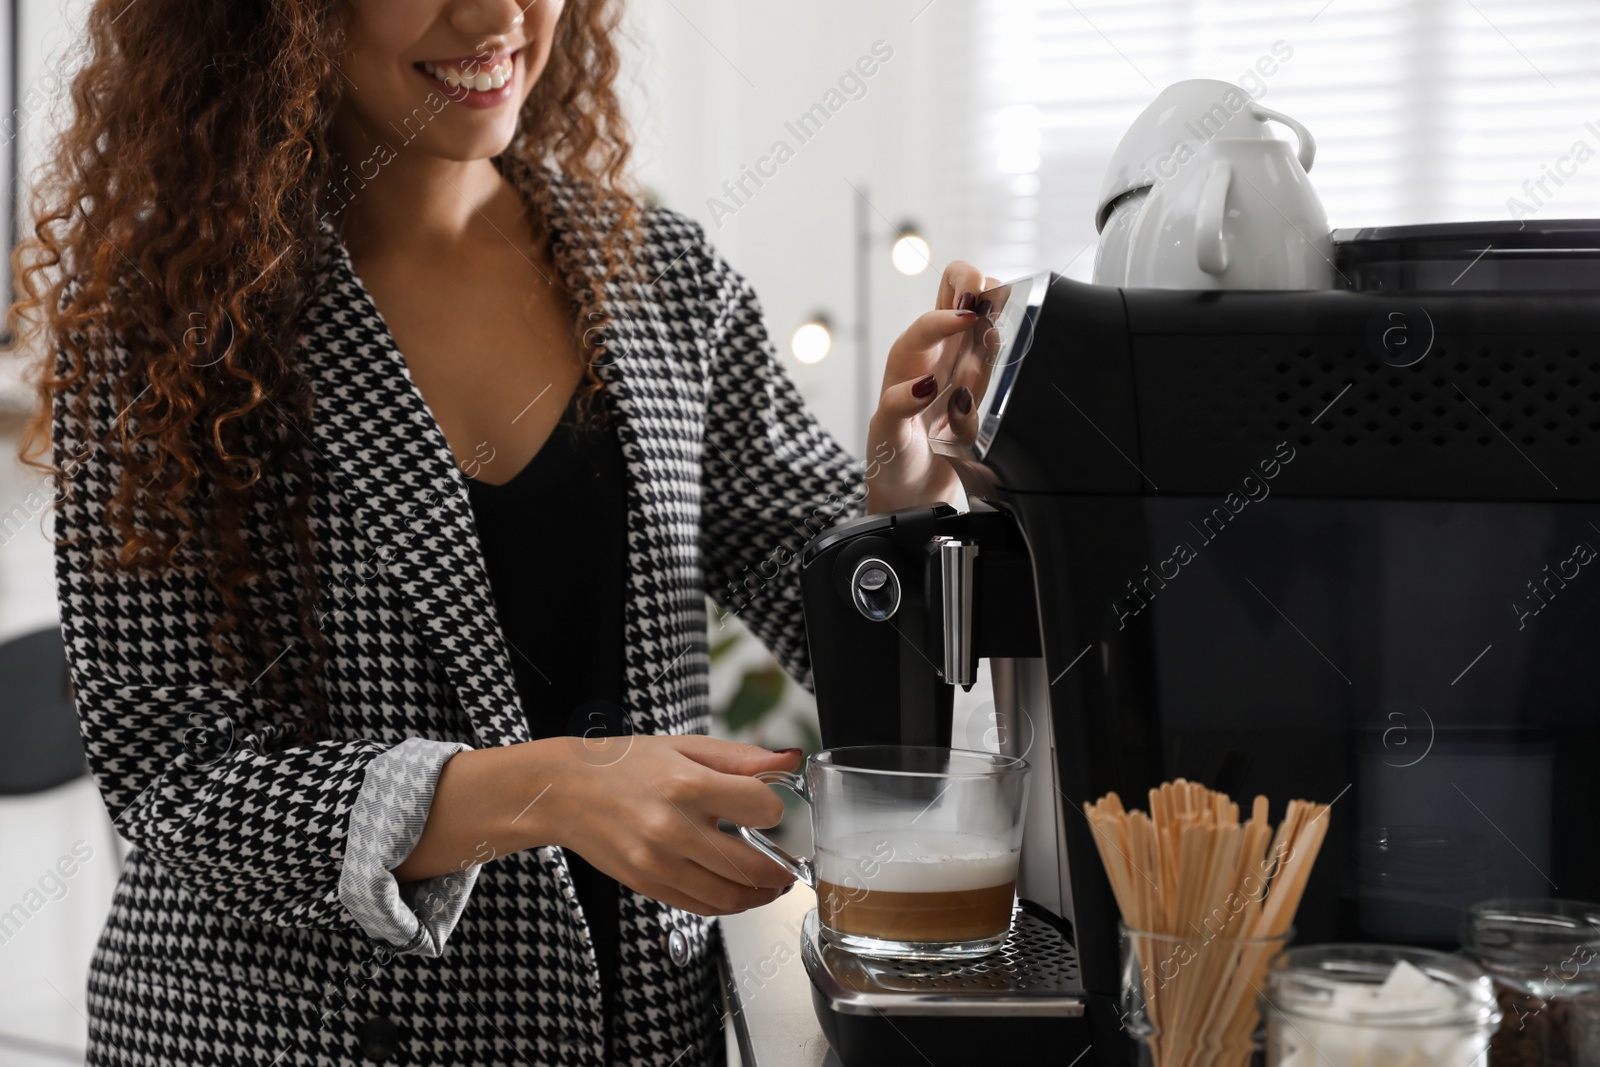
point(916, 847)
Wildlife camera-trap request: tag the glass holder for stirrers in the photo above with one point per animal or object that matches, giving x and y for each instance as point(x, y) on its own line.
point(1207, 901)
point(1191, 1001)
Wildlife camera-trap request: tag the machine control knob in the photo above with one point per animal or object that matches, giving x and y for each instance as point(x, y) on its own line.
point(875, 589)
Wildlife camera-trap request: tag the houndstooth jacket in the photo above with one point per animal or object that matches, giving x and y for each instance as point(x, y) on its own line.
point(256, 920)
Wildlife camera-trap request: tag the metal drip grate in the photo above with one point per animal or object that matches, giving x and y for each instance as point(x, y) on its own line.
point(1034, 973)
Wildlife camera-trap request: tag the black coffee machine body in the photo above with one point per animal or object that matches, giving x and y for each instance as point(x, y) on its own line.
point(1331, 545)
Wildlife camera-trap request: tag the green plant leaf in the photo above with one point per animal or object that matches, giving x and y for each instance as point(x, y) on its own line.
point(759, 693)
point(720, 648)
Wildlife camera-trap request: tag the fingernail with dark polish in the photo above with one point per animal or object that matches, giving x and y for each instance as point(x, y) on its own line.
point(966, 301)
point(785, 889)
point(961, 400)
point(983, 307)
point(924, 387)
point(786, 751)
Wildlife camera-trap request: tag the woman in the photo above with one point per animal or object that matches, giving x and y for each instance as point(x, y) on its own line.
point(390, 657)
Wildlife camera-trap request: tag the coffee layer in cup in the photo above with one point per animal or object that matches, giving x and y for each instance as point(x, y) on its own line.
point(916, 885)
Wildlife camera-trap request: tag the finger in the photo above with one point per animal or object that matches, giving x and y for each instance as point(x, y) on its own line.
point(974, 374)
point(986, 307)
point(726, 896)
point(725, 855)
point(962, 414)
point(959, 277)
point(992, 338)
point(701, 796)
point(676, 897)
point(908, 399)
point(735, 757)
point(933, 327)
point(741, 800)
point(671, 897)
point(968, 383)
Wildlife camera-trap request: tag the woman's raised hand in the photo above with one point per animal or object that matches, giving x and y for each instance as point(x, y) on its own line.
point(928, 392)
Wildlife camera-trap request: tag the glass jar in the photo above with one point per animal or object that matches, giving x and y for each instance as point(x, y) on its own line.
point(1191, 1001)
point(1376, 1006)
point(1544, 958)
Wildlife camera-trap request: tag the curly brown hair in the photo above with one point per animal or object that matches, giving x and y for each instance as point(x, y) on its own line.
point(197, 153)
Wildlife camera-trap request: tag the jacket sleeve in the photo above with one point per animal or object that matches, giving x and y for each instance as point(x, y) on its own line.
point(772, 477)
point(200, 775)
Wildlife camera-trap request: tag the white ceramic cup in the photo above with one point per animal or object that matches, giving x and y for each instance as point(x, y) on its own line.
point(1182, 117)
point(1242, 214)
point(1111, 253)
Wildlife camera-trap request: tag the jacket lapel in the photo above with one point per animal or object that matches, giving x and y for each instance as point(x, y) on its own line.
point(390, 463)
point(646, 371)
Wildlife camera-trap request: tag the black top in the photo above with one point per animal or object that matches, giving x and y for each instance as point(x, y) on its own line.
point(555, 543)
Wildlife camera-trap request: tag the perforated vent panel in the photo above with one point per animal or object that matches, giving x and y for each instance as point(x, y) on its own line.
point(1490, 416)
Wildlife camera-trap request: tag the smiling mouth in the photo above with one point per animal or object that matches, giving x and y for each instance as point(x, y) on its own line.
point(471, 73)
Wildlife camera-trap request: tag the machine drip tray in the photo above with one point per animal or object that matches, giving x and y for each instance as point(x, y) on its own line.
point(1035, 973)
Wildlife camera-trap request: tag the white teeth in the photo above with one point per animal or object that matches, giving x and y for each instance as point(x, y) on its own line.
point(482, 80)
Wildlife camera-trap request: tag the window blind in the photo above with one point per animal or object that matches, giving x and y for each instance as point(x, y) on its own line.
point(1423, 110)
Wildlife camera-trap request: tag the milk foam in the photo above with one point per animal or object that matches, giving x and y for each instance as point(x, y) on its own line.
point(916, 861)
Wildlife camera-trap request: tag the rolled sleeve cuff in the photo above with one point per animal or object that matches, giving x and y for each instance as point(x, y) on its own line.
point(387, 819)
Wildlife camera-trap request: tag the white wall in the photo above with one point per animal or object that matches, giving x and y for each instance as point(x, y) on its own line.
point(716, 80)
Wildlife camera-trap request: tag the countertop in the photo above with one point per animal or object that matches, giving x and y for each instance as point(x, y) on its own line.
point(770, 1006)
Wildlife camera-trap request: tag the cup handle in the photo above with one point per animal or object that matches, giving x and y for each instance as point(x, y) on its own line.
point(1308, 144)
point(1210, 243)
point(799, 866)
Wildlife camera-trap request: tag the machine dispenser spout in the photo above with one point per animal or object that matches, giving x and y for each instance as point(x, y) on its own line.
point(955, 565)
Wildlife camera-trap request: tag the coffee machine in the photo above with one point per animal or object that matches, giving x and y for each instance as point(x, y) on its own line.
point(1337, 545)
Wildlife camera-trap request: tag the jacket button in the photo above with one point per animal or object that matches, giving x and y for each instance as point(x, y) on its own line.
point(678, 947)
point(379, 1038)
